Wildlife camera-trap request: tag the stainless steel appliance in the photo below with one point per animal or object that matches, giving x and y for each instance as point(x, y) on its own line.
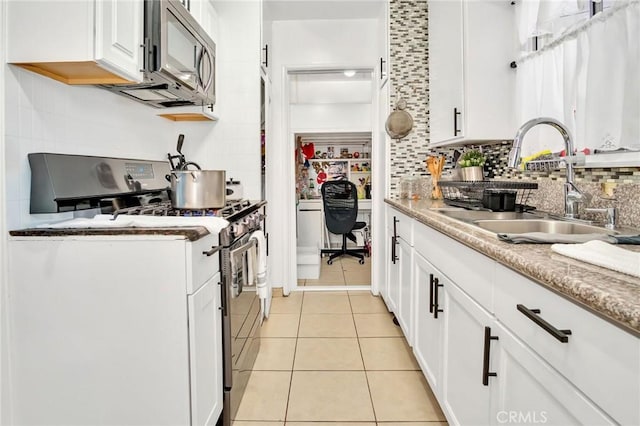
point(180, 59)
point(131, 191)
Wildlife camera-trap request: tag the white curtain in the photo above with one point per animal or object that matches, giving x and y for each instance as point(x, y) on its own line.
point(588, 77)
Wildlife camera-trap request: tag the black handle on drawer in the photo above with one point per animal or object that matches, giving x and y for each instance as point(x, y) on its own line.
point(382, 62)
point(532, 314)
point(430, 293)
point(436, 305)
point(456, 113)
point(487, 349)
point(214, 250)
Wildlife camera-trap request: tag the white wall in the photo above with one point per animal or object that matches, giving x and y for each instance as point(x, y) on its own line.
point(233, 143)
point(43, 115)
point(303, 44)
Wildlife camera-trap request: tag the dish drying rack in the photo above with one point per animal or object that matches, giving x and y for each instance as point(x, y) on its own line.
point(469, 194)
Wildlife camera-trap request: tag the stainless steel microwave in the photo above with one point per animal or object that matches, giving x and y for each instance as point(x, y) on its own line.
point(179, 59)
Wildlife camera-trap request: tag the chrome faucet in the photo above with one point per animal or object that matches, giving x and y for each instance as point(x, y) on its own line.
point(572, 195)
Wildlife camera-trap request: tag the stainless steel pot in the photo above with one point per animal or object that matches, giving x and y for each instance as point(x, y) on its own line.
point(198, 189)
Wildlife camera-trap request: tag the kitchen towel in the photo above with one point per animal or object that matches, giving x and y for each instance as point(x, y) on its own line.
point(549, 238)
point(602, 254)
point(213, 224)
point(262, 287)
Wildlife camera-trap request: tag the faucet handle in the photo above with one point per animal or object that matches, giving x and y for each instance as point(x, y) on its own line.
point(611, 214)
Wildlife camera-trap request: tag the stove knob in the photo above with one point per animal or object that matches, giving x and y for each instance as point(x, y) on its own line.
point(236, 228)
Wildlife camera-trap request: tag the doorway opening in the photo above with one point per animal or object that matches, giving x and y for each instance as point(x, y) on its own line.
point(330, 123)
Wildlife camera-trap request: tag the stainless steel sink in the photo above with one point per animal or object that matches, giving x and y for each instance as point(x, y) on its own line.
point(473, 215)
point(540, 225)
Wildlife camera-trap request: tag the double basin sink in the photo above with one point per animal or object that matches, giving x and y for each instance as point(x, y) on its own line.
point(520, 223)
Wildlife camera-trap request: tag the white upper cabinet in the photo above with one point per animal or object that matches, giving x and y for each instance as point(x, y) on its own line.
point(205, 14)
point(265, 37)
point(78, 42)
point(383, 45)
point(471, 84)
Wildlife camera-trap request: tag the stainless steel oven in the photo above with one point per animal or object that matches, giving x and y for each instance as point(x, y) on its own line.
point(243, 310)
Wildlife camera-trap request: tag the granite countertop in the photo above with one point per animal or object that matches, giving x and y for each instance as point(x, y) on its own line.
point(191, 233)
point(612, 295)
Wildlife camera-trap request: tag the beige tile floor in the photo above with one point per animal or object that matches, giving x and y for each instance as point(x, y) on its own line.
point(333, 358)
point(343, 271)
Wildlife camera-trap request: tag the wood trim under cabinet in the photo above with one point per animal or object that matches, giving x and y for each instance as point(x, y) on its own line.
point(81, 72)
point(186, 116)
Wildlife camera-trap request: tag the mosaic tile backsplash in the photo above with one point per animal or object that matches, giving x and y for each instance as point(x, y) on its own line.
point(409, 81)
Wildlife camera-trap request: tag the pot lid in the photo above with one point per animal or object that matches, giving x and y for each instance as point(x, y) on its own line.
point(399, 123)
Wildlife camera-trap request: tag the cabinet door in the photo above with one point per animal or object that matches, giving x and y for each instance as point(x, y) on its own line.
point(429, 326)
point(465, 398)
point(119, 36)
point(405, 290)
point(310, 226)
point(530, 391)
point(205, 353)
point(446, 95)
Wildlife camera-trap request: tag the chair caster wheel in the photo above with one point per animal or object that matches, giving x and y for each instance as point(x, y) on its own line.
point(329, 262)
point(361, 261)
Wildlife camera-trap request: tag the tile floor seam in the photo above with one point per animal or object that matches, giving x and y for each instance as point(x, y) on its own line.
point(293, 363)
point(364, 366)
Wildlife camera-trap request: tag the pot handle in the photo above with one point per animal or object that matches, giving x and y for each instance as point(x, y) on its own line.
point(190, 163)
point(172, 175)
point(194, 176)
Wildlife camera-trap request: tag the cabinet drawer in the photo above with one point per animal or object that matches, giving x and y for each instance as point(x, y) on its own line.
point(201, 267)
point(471, 271)
point(598, 358)
point(403, 225)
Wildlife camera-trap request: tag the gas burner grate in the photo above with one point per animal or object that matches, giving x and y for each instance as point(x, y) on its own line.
point(165, 209)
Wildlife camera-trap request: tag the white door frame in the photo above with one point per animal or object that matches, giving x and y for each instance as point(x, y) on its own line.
point(288, 176)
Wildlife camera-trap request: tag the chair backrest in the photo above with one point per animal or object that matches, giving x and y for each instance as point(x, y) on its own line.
point(340, 201)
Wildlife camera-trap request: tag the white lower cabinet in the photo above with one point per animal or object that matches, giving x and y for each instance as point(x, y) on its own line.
point(464, 397)
point(428, 320)
point(490, 364)
point(527, 390)
point(405, 289)
point(398, 294)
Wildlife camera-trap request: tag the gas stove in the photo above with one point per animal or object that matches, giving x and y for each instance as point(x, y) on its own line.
point(243, 216)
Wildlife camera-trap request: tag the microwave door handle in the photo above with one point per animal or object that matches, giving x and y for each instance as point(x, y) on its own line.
point(211, 68)
point(198, 65)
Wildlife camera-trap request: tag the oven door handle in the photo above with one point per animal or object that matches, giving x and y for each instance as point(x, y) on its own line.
point(243, 248)
point(214, 250)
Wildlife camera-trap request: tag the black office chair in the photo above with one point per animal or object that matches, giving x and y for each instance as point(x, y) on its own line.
point(340, 201)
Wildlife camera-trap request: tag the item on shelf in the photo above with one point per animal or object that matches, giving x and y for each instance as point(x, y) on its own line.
point(344, 152)
point(356, 154)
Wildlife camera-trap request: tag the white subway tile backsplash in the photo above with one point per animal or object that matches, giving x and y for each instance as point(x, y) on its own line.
point(43, 115)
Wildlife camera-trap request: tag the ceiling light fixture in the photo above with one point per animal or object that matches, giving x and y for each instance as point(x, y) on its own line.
point(349, 73)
